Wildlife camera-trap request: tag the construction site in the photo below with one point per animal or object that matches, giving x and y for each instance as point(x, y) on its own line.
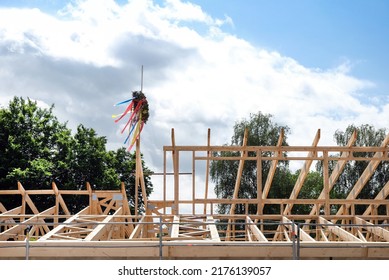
point(166, 229)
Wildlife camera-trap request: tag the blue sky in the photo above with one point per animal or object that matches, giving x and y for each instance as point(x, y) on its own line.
point(311, 64)
point(317, 33)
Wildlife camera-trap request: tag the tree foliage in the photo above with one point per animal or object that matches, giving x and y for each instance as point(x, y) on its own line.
point(36, 149)
point(262, 131)
point(367, 135)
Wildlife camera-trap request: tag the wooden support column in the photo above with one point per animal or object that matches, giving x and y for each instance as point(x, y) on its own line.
point(207, 170)
point(139, 171)
point(240, 172)
point(259, 183)
point(176, 170)
point(237, 183)
point(194, 183)
point(326, 184)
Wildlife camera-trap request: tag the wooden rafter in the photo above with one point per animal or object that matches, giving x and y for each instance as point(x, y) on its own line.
point(254, 232)
point(366, 175)
point(383, 194)
point(102, 227)
point(336, 172)
point(18, 229)
point(303, 174)
point(273, 167)
point(63, 226)
point(303, 235)
point(379, 231)
point(343, 234)
point(212, 229)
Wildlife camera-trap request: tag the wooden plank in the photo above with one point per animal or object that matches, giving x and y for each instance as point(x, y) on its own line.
point(176, 170)
point(207, 170)
point(14, 211)
point(212, 228)
point(175, 227)
point(60, 199)
point(101, 228)
point(255, 231)
point(326, 184)
point(273, 166)
point(61, 227)
point(303, 235)
point(344, 235)
point(136, 232)
point(302, 176)
point(232, 148)
point(21, 226)
point(237, 184)
point(379, 231)
point(239, 174)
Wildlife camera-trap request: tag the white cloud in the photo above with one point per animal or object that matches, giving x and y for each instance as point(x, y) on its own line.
point(88, 57)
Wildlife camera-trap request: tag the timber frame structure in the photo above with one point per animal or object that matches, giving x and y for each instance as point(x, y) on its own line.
point(106, 228)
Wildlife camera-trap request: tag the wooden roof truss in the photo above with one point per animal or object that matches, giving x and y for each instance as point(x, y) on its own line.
point(182, 227)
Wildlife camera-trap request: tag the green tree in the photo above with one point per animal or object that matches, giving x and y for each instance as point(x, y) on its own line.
point(367, 135)
point(311, 189)
point(262, 131)
point(36, 149)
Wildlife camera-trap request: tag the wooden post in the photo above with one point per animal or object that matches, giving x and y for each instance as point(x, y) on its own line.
point(175, 155)
point(326, 184)
point(193, 182)
point(237, 184)
point(207, 171)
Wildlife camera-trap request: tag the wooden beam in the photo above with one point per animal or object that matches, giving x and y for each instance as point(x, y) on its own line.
point(212, 228)
point(60, 199)
point(136, 232)
point(379, 231)
point(176, 170)
point(2, 208)
point(64, 224)
point(175, 230)
point(254, 230)
point(336, 172)
point(239, 174)
point(22, 225)
point(237, 183)
point(14, 211)
point(273, 166)
point(102, 227)
point(344, 235)
point(303, 235)
point(367, 173)
point(207, 170)
point(303, 174)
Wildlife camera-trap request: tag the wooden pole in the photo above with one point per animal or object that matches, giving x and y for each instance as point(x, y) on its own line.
point(207, 170)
